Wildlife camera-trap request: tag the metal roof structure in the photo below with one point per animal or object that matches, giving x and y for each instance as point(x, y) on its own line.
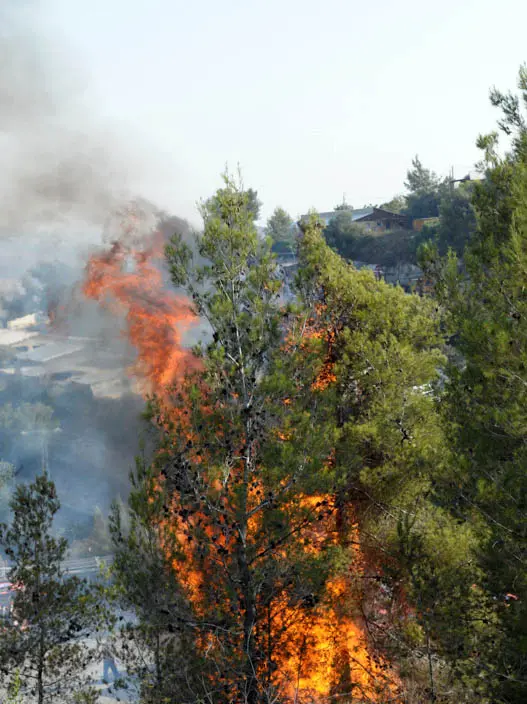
point(47, 352)
point(9, 338)
point(361, 215)
point(355, 214)
point(23, 323)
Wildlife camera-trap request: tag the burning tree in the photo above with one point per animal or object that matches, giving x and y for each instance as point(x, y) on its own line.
point(242, 485)
point(423, 604)
point(297, 464)
point(152, 646)
point(241, 468)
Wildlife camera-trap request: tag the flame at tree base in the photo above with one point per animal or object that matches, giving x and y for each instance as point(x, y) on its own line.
point(332, 657)
point(320, 651)
point(317, 648)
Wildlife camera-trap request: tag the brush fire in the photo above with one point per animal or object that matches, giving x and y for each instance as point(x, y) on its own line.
point(125, 279)
point(320, 650)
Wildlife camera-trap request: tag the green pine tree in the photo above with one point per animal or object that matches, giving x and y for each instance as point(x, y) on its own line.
point(383, 355)
point(280, 230)
point(485, 400)
point(423, 188)
point(43, 648)
point(239, 461)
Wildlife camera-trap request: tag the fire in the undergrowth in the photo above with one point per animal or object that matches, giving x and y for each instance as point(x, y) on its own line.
point(126, 279)
point(324, 653)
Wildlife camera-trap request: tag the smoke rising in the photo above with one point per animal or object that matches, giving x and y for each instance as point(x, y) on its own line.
point(58, 164)
point(65, 185)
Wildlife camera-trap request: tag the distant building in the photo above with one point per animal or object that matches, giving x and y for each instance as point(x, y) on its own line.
point(27, 321)
point(61, 361)
point(15, 338)
point(371, 219)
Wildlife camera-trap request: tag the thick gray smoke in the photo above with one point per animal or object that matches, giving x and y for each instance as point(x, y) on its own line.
point(64, 186)
point(58, 164)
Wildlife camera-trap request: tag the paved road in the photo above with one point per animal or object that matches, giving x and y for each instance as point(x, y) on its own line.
point(83, 567)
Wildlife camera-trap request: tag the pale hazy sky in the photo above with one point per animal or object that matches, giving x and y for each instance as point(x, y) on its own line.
point(312, 98)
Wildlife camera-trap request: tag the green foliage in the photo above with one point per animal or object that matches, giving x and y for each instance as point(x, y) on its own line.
point(253, 204)
point(485, 400)
point(14, 690)
point(250, 202)
point(396, 205)
point(457, 218)
point(242, 447)
point(280, 230)
point(43, 648)
point(423, 196)
point(391, 467)
point(342, 233)
point(340, 395)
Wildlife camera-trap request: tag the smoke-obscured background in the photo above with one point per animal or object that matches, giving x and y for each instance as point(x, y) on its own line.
point(66, 400)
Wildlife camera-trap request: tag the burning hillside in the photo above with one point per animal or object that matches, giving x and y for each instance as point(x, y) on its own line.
point(251, 552)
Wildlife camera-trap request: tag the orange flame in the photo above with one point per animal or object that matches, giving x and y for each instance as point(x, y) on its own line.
point(327, 652)
point(324, 653)
point(155, 316)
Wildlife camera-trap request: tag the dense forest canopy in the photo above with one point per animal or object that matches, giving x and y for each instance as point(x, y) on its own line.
point(336, 507)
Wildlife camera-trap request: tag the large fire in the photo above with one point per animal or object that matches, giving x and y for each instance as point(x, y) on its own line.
point(324, 654)
point(128, 282)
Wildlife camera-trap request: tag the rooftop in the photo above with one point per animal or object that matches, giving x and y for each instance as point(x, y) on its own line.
point(8, 338)
point(50, 351)
point(355, 214)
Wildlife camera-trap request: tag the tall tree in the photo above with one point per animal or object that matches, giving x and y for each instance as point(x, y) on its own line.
point(382, 356)
point(419, 179)
point(45, 644)
point(241, 463)
point(280, 230)
point(423, 188)
point(251, 203)
point(485, 400)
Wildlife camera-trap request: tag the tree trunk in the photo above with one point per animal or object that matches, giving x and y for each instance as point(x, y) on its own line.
point(40, 668)
point(430, 667)
point(250, 665)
